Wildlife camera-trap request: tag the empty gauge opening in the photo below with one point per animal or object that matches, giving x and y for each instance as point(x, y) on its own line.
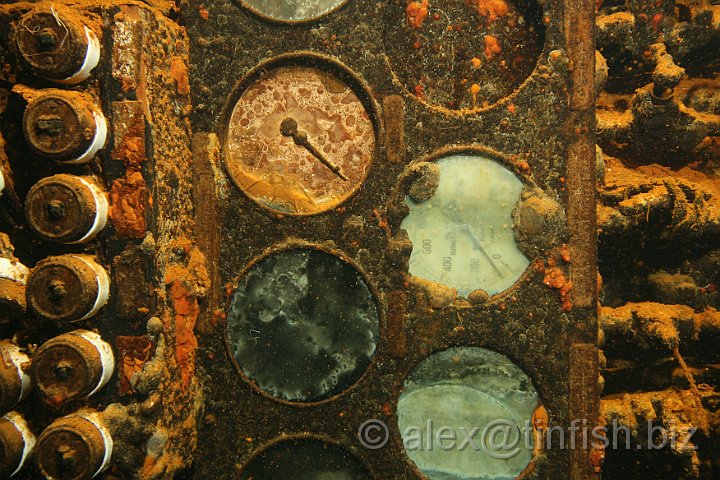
point(304, 459)
point(302, 325)
point(461, 55)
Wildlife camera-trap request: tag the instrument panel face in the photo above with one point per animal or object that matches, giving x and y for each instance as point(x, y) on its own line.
point(389, 184)
point(320, 232)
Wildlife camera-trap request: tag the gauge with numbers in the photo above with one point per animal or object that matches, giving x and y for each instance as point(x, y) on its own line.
point(300, 139)
point(463, 234)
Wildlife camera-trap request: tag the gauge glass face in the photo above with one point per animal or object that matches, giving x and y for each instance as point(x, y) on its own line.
point(305, 459)
point(468, 392)
point(463, 54)
point(300, 141)
point(303, 325)
point(293, 10)
point(463, 235)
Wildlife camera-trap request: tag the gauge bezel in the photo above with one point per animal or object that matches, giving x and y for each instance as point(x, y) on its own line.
point(506, 161)
point(341, 256)
point(281, 21)
point(323, 63)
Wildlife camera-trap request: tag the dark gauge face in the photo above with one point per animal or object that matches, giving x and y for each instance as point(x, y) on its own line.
point(464, 390)
point(463, 54)
point(305, 459)
point(299, 141)
point(302, 325)
point(293, 10)
point(463, 235)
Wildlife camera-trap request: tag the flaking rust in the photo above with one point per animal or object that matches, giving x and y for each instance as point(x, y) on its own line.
point(143, 88)
point(180, 271)
point(554, 271)
point(129, 205)
point(658, 126)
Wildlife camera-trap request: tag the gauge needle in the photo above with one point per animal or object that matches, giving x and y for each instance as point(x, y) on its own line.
point(451, 212)
point(289, 128)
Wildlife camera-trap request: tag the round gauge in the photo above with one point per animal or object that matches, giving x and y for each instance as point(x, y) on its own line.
point(463, 55)
point(293, 10)
point(302, 325)
point(463, 235)
point(464, 390)
point(300, 140)
point(305, 459)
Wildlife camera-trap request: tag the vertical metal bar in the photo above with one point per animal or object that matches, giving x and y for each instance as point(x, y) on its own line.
point(584, 402)
point(207, 220)
point(580, 18)
point(584, 407)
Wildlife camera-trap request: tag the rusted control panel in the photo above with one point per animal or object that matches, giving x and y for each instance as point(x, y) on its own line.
point(97, 260)
point(396, 204)
point(260, 240)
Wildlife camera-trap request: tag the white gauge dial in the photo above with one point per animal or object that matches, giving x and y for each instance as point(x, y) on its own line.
point(463, 235)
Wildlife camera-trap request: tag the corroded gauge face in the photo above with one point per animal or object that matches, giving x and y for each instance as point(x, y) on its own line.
point(302, 325)
point(299, 141)
point(293, 10)
point(464, 390)
point(463, 54)
point(463, 234)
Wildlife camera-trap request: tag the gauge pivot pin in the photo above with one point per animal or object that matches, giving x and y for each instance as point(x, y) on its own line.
point(289, 128)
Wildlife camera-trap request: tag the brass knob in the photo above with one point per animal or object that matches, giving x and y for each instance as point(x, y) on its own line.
point(76, 447)
point(72, 366)
point(64, 126)
point(13, 277)
point(16, 444)
point(66, 208)
point(15, 382)
point(67, 288)
point(57, 46)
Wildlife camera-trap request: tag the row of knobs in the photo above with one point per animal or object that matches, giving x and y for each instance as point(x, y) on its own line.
point(59, 47)
point(70, 128)
point(76, 446)
point(67, 127)
point(70, 367)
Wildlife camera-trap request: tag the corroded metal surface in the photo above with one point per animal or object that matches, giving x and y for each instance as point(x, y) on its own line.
point(63, 208)
point(532, 322)
point(658, 128)
point(63, 289)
